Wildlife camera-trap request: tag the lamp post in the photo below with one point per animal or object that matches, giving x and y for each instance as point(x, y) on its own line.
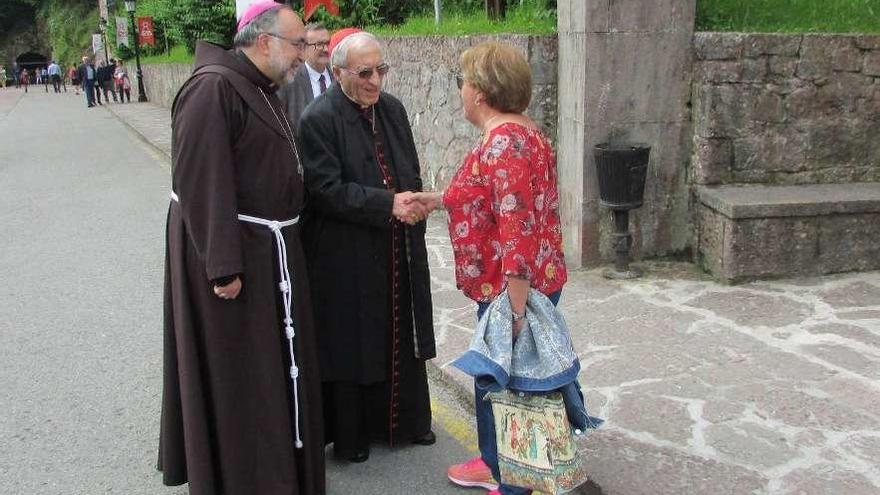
point(131, 6)
point(103, 27)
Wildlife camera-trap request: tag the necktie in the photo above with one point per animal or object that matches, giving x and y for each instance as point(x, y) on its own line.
point(322, 83)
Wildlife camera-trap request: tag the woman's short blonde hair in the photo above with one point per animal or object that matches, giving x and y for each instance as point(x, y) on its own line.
point(501, 73)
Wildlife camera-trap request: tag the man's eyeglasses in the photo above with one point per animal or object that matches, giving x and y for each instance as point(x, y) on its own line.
point(298, 44)
point(380, 69)
point(319, 44)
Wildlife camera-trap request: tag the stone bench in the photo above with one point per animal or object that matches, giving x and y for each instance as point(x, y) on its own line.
point(756, 231)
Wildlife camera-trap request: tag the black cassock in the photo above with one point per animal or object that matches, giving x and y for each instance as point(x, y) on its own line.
point(227, 423)
point(369, 272)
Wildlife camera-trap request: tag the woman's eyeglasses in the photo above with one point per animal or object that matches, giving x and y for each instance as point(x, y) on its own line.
point(459, 80)
point(367, 73)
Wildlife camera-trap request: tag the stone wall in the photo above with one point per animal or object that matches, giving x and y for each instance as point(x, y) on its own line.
point(422, 77)
point(786, 109)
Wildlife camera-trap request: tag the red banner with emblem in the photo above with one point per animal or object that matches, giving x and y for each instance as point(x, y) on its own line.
point(312, 5)
point(145, 31)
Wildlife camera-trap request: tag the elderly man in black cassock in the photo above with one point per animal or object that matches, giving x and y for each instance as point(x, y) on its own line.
point(365, 245)
point(241, 407)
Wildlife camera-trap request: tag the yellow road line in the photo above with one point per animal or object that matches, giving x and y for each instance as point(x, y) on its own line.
point(453, 423)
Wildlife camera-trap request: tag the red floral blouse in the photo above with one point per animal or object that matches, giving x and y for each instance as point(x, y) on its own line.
point(503, 207)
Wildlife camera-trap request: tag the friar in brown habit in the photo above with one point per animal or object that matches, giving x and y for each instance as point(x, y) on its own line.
point(365, 245)
point(241, 407)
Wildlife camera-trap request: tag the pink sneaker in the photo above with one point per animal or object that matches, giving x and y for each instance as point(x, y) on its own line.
point(474, 472)
point(494, 492)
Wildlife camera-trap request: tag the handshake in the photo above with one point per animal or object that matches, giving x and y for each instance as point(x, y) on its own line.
point(413, 207)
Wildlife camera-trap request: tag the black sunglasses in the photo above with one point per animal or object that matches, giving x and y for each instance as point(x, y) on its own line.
point(380, 69)
point(459, 80)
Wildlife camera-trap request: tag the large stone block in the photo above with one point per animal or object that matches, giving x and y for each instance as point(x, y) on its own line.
point(767, 247)
point(772, 149)
point(718, 111)
point(637, 77)
point(868, 42)
point(718, 71)
point(872, 63)
point(755, 45)
point(849, 242)
point(718, 46)
point(754, 232)
point(640, 16)
point(710, 239)
point(713, 160)
point(782, 66)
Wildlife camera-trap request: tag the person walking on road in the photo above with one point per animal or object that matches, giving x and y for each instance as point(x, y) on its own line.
point(86, 73)
point(54, 71)
point(74, 78)
point(24, 79)
point(106, 81)
point(2, 77)
point(123, 83)
point(241, 406)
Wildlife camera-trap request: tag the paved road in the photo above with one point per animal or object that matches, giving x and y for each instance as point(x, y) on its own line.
point(764, 388)
point(83, 209)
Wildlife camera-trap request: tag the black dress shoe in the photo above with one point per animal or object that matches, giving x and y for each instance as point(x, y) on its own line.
point(360, 456)
point(427, 439)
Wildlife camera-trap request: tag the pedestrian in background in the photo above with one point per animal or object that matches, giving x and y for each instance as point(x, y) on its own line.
point(2, 76)
point(106, 81)
point(86, 73)
point(74, 79)
point(123, 83)
point(313, 77)
point(24, 79)
point(38, 79)
point(54, 72)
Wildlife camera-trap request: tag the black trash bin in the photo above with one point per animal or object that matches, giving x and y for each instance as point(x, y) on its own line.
point(621, 169)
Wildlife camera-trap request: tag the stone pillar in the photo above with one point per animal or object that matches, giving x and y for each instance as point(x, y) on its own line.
point(625, 69)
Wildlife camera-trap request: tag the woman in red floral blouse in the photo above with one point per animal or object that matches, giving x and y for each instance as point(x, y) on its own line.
point(503, 207)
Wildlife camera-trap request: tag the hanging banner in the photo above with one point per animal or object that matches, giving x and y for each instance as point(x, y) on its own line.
point(97, 44)
point(312, 5)
point(145, 31)
point(122, 32)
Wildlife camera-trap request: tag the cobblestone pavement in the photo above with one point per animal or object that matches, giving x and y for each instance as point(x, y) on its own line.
point(769, 387)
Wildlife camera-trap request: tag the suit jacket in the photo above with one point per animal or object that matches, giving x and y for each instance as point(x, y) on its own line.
point(298, 94)
point(81, 73)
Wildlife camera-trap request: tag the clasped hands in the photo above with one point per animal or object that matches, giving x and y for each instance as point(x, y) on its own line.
point(412, 207)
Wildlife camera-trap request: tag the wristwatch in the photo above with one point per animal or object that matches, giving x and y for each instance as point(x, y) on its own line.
point(517, 317)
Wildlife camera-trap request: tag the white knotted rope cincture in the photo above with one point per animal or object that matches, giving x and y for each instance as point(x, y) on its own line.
point(286, 288)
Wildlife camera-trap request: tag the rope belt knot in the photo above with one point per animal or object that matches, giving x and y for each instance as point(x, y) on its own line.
point(285, 287)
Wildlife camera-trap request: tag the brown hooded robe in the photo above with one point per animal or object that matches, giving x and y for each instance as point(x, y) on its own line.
point(227, 415)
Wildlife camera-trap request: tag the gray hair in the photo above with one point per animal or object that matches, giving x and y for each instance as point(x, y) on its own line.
point(316, 26)
point(339, 57)
point(263, 23)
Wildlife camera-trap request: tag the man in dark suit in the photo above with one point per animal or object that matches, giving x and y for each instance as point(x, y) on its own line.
point(87, 74)
point(313, 77)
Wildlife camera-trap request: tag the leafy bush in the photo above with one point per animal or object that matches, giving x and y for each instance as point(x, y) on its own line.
point(789, 15)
